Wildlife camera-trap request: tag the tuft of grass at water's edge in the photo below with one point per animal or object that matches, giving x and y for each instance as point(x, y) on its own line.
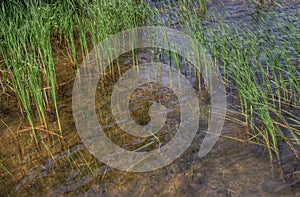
point(260, 63)
point(263, 66)
point(31, 35)
point(27, 34)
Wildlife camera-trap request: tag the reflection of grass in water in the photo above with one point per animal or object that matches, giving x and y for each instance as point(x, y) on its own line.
point(260, 66)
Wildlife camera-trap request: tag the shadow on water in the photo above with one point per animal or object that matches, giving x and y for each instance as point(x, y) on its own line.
point(232, 168)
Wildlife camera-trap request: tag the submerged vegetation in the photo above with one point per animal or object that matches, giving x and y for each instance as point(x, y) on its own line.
point(260, 65)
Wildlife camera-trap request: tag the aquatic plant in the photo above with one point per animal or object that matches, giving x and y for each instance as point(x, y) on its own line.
point(262, 68)
point(30, 30)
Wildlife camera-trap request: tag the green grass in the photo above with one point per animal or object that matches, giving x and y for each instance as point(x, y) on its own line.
point(259, 66)
point(31, 35)
point(27, 32)
point(268, 90)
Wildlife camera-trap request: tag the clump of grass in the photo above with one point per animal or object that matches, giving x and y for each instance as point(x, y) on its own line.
point(27, 31)
point(263, 68)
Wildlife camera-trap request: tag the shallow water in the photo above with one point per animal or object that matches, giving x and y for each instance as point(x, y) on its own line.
point(232, 168)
